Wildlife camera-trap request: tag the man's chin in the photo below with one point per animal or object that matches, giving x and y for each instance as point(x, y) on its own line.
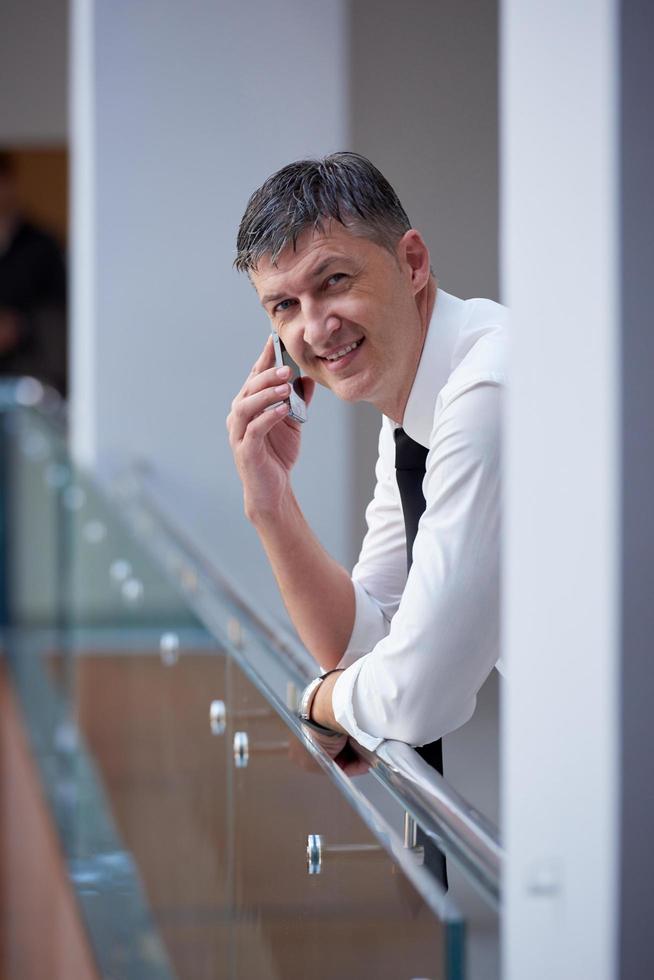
point(352, 389)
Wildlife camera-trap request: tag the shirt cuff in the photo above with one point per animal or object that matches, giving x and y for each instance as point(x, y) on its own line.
point(370, 626)
point(343, 708)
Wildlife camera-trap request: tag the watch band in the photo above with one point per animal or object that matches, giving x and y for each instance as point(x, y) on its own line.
point(307, 698)
point(321, 728)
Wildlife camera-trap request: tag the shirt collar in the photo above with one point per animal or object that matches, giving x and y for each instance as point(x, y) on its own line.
point(434, 367)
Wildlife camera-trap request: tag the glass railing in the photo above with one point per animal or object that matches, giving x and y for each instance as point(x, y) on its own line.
point(205, 834)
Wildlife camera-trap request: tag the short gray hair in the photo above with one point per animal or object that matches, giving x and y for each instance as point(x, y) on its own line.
point(345, 187)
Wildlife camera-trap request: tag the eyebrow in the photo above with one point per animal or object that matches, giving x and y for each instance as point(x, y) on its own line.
point(318, 271)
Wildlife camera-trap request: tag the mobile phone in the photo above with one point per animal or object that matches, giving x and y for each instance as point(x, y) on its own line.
point(297, 407)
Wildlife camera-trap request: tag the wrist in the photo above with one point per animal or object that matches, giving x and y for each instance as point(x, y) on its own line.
point(266, 514)
point(316, 703)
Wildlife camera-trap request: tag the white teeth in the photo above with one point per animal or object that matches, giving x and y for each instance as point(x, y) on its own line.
point(343, 352)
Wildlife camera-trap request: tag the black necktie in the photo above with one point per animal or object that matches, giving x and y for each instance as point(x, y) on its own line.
point(410, 459)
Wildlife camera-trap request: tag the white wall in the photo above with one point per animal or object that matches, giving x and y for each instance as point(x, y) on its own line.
point(423, 107)
point(560, 270)
point(33, 71)
point(189, 107)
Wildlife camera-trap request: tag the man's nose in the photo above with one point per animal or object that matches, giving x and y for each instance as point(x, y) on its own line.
point(319, 325)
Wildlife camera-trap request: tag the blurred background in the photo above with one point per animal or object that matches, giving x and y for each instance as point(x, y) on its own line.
point(519, 139)
point(133, 135)
point(174, 120)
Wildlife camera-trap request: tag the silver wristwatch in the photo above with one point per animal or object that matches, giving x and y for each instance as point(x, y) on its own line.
point(306, 702)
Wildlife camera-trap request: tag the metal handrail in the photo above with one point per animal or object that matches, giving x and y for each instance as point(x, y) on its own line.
point(442, 813)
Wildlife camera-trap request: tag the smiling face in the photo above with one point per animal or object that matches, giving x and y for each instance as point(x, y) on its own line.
point(351, 315)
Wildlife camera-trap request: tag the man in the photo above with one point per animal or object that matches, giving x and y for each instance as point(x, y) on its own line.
point(32, 292)
point(347, 284)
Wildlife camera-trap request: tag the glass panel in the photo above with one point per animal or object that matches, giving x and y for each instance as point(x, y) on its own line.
point(191, 863)
point(71, 561)
point(355, 910)
point(187, 859)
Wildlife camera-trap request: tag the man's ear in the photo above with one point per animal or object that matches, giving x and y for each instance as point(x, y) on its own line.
point(413, 256)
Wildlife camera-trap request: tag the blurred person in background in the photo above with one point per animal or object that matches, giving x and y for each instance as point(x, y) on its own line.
point(32, 292)
point(409, 637)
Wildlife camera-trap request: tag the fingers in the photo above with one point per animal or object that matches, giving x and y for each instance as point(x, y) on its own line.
point(264, 379)
point(264, 371)
point(248, 409)
point(333, 745)
point(351, 762)
point(266, 358)
point(353, 767)
point(259, 428)
point(265, 385)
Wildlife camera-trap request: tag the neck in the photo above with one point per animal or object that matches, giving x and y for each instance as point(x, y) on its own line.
point(395, 407)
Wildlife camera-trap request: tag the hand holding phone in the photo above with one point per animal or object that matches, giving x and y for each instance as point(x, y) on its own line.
point(297, 406)
point(263, 432)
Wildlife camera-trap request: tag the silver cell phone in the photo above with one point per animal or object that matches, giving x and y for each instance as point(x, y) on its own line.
point(297, 407)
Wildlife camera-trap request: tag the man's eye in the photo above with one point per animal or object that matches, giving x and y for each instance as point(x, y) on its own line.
point(283, 306)
point(335, 278)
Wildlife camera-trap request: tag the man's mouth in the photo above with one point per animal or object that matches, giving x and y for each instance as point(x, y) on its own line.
point(342, 351)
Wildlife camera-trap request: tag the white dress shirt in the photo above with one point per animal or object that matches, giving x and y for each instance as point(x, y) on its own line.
point(423, 644)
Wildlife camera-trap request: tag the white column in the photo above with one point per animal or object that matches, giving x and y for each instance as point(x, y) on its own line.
point(560, 277)
point(83, 235)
